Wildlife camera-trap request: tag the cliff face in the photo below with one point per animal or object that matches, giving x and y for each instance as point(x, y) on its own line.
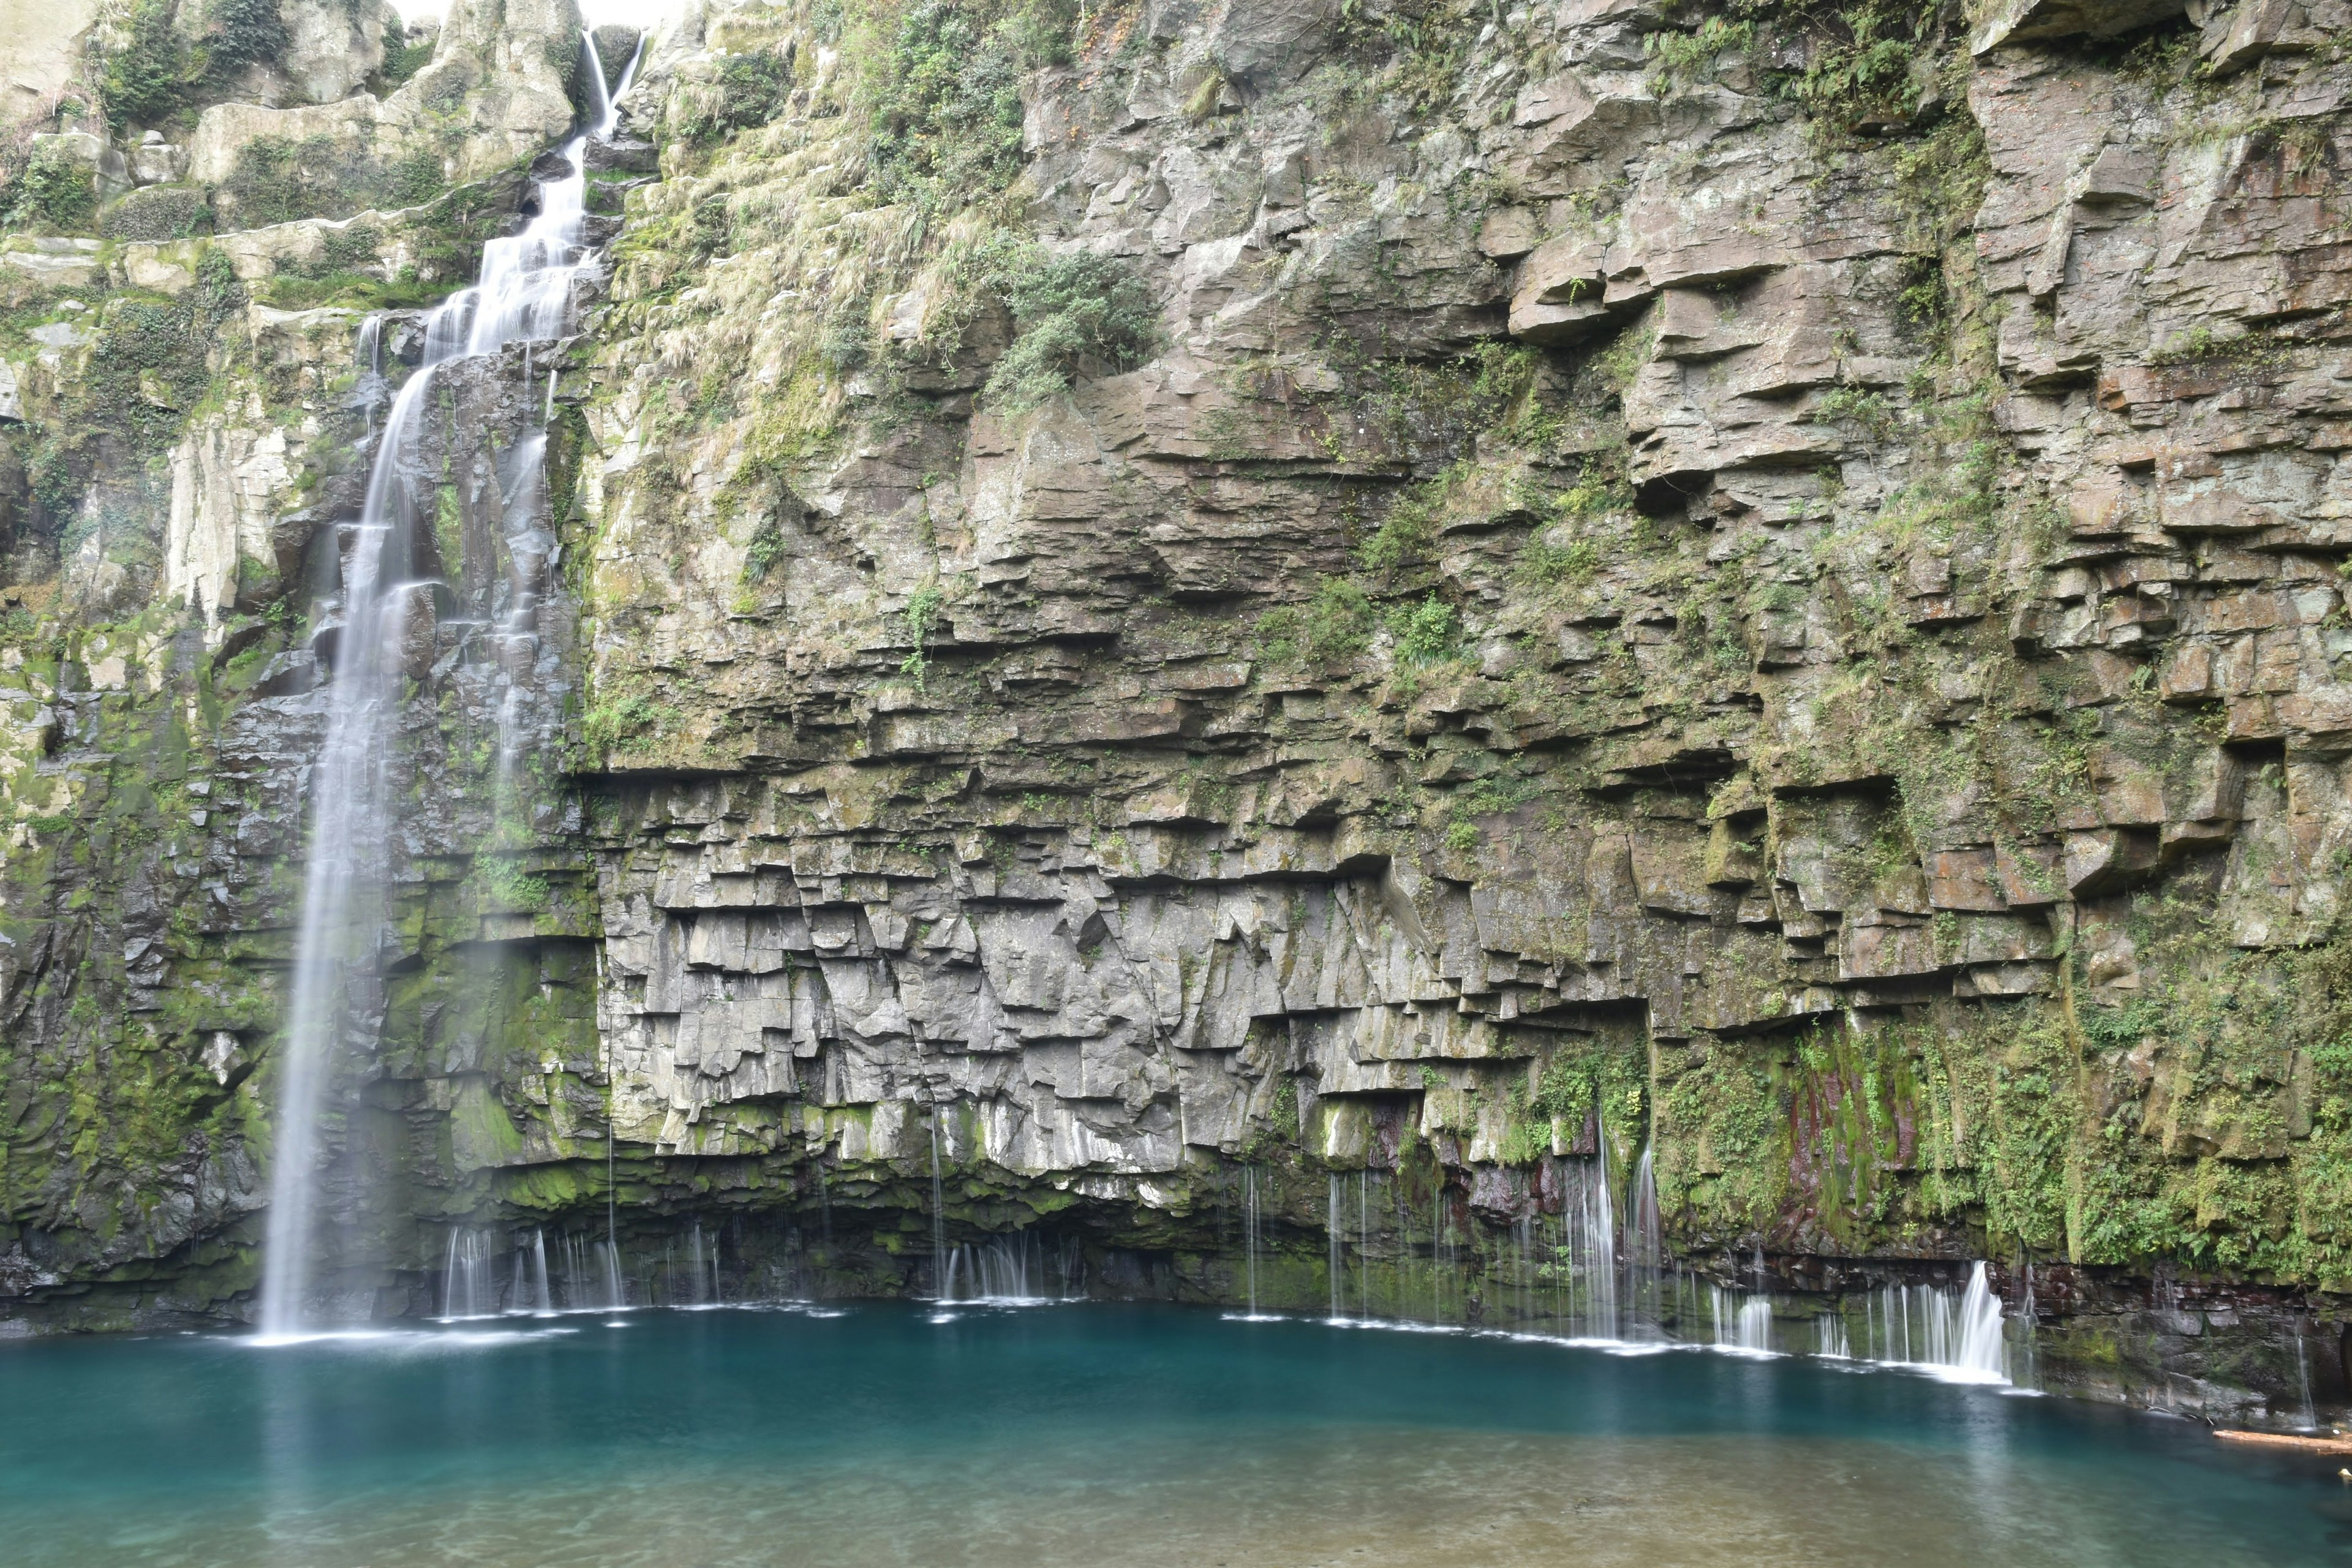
point(1133, 596)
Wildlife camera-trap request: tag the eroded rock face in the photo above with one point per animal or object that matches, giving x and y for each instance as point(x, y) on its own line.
point(1565, 590)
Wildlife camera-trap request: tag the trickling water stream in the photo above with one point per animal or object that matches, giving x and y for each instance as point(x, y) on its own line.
point(524, 294)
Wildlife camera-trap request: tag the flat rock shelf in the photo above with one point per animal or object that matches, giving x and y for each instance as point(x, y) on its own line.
point(1088, 1433)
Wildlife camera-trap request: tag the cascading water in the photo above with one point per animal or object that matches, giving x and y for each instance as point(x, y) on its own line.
point(1003, 1271)
point(1742, 1322)
point(1586, 1268)
point(463, 1274)
point(608, 1254)
point(1364, 1243)
point(525, 292)
point(1957, 1335)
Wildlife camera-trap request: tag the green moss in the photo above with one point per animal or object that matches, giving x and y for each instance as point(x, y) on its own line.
point(159, 213)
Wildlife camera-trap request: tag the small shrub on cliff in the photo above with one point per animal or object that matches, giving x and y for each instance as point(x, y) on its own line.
point(406, 51)
point(1426, 633)
point(1686, 57)
point(243, 32)
point(1332, 627)
point(609, 726)
point(141, 82)
point(944, 90)
point(1073, 315)
point(55, 189)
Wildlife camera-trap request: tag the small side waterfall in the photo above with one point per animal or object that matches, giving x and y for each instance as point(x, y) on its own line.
point(1956, 1334)
point(525, 292)
point(465, 1275)
point(1335, 1247)
point(1364, 1243)
point(1004, 1271)
point(1742, 1322)
point(608, 1255)
point(941, 1286)
point(2306, 1415)
point(1249, 1230)
point(1587, 1269)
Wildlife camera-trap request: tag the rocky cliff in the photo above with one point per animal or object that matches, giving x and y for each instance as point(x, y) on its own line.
point(1144, 623)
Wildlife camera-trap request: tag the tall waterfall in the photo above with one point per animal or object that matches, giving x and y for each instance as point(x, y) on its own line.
point(524, 294)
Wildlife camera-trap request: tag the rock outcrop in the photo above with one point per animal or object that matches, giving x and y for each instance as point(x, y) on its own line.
point(1750, 597)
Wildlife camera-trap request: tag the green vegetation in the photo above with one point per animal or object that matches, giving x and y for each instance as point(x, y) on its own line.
point(1865, 63)
point(746, 91)
point(1426, 633)
point(942, 85)
point(243, 32)
point(159, 213)
point(1423, 46)
point(1074, 314)
point(55, 189)
point(1332, 627)
point(624, 721)
point(277, 180)
point(1680, 57)
point(506, 886)
point(923, 614)
point(145, 82)
point(402, 58)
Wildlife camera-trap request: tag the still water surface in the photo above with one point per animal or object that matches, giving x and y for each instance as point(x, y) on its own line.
point(1086, 1435)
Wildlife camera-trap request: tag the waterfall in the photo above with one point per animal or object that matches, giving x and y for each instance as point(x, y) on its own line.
point(1589, 1253)
point(1249, 1229)
point(1955, 1334)
point(463, 1274)
point(1003, 1271)
point(1335, 1262)
point(609, 1255)
point(1364, 1243)
point(2308, 1418)
point(1829, 1338)
point(942, 1285)
point(524, 291)
point(1742, 1322)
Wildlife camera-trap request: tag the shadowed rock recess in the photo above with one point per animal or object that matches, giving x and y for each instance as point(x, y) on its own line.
point(1267, 641)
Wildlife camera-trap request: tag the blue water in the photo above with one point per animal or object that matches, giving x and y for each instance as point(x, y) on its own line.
point(1084, 1434)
